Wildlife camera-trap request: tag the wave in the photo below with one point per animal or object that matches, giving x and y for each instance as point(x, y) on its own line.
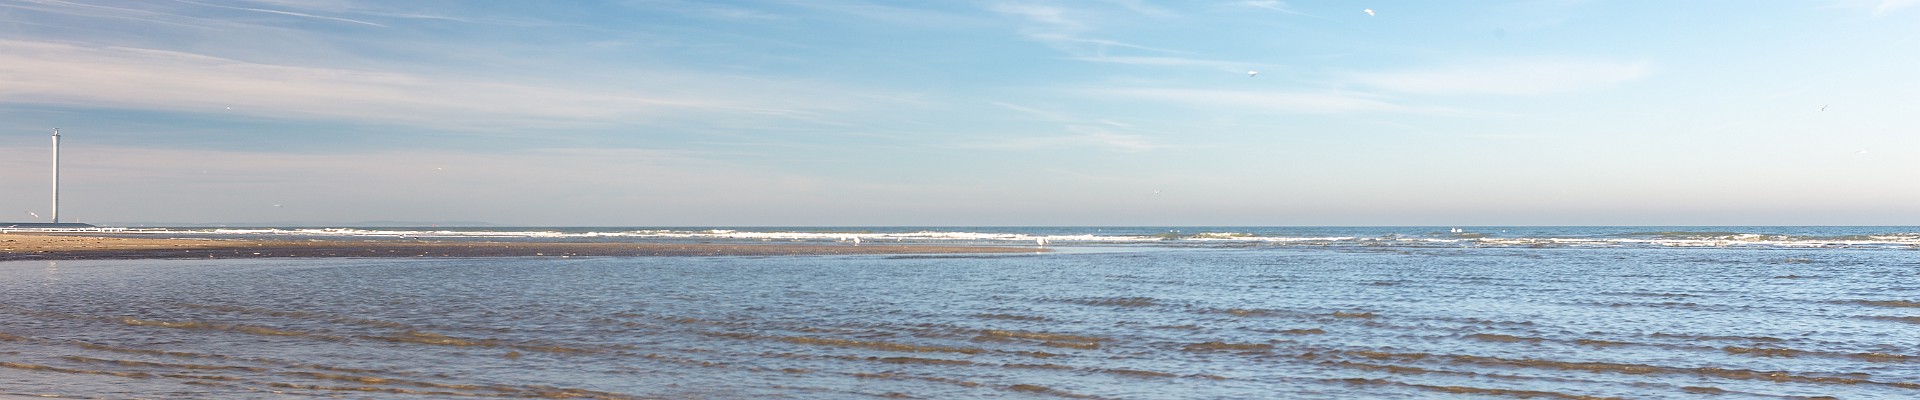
point(724, 234)
point(1784, 238)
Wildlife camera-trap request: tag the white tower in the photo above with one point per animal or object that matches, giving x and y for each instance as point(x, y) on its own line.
point(56, 175)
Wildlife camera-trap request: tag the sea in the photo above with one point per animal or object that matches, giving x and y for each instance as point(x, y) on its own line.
point(1092, 312)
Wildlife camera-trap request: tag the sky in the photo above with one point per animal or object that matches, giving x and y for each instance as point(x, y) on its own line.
point(963, 113)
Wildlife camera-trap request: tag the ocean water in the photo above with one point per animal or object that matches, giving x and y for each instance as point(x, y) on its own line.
point(1226, 312)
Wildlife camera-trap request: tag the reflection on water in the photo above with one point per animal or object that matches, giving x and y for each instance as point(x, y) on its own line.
point(1162, 323)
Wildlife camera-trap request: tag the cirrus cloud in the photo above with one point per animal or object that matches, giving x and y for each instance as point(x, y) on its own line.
point(147, 79)
point(1507, 77)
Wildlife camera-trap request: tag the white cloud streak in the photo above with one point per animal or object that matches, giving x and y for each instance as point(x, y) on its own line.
point(1275, 5)
point(1099, 46)
point(1330, 102)
point(1082, 138)
point(1170, 62)
point(1507, 77)
point(1086, 133)
point(1043, 114)
point(98, 11)
point(1038, 13)
point(886, 13)
point(118, 77)
point(1054, 27)
point(1887, 6)
point(1141, 7)
point(287, 13)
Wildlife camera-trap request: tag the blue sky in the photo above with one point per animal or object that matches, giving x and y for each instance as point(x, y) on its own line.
point(831, 112)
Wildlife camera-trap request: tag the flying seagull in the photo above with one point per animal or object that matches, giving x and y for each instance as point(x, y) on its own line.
point(1823, 107)
point(1368, 11)
point(33, 214)
point(1250, 74)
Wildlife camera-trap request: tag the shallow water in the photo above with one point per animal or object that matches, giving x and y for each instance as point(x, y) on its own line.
point(1113, 322)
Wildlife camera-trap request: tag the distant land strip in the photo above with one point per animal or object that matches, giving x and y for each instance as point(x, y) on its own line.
point(16, 247)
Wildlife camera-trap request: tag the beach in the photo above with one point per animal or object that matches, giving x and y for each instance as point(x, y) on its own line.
point(23, 246)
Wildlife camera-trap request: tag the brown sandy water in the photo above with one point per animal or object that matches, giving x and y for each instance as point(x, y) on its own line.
point(1260, 322)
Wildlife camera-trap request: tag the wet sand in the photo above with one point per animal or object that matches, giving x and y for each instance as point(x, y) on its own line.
point(15, 247)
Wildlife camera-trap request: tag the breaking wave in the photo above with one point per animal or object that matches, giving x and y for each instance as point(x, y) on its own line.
point(1905, 238)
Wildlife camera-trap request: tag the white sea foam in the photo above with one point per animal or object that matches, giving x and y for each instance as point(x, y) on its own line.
point(1056, 236)
point(671, 234)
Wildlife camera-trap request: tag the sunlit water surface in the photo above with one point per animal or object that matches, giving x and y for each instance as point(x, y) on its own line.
point(1116, 322)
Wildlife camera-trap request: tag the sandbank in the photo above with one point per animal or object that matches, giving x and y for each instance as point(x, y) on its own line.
point(31, 246)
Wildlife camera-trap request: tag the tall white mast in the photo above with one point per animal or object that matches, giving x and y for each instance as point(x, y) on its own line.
point(56, 175)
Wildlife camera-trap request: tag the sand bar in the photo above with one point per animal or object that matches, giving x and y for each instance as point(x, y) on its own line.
point(20, 246)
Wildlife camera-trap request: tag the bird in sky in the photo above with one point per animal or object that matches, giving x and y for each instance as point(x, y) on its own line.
point(1823, 107)
point(1368, 11)
point(1250, 74)
point(33, 214)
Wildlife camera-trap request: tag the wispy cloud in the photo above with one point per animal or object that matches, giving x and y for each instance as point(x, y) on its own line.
point(1128, 143)
point(1043, 114)
point(1275, 5)
point(1887, 6)
point(1039, 13)
point(1090, 45)
point(1080, 138)
point(99, 11)
point(404, 11)
point(886, 12)
point(1507, 77)
point(1141, 7)
point(287, 13)
point(1170, 62)
point(707, 9)
point(1876, 8)
point(1294, 102)
point(118, 77)
point(1058, 28)
point(1084, 133)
